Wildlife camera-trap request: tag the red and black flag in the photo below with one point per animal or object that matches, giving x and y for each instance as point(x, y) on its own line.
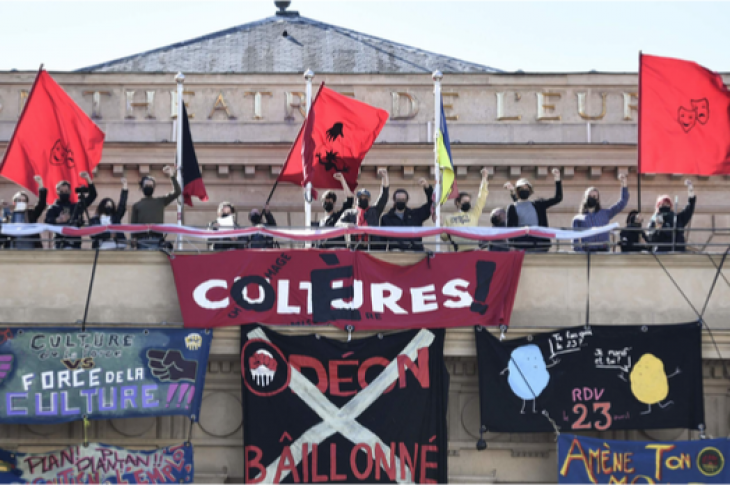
point(54, 138)
point(335, 137)
point(192, 179)
point(684, 118)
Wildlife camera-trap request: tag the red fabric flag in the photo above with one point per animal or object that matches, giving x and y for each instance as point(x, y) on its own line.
point(54, 138)
point(684, 118)
point(335, 137)
point(192, 179)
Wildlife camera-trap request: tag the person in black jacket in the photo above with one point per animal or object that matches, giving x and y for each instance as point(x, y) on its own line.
point(330, 218)
point(228, 217)
point(524, 212)
point(106, 214)
point(671, 236)
point(22, 213)
point(631, 236)
point(260, 241)
point(66, 213)
point(366, 214)
point(403, 216)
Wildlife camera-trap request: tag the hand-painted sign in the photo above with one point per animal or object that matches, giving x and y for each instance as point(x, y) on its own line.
point(591, 460)
point(343, 288)
point(54, 375)
point(596, 378)
point(98, 463)
point(319, 410)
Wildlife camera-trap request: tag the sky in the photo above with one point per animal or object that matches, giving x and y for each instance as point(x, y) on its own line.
point(530, 36)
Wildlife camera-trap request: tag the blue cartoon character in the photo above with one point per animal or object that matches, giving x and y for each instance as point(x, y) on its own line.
point(528, 374)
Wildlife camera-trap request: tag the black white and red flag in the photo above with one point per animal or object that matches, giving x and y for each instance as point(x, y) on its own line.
point(321, 410)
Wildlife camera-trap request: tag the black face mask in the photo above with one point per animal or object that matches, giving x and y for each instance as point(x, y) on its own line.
point(363, 203)
point(465, 206)
point(107, 210)
point(400, 205)
point(64, 198)
point(256, 219)
point(148, 191)
point(664, 209)
point(591, 202)
point(523, 194)
point(328, 206)
point(497, 222)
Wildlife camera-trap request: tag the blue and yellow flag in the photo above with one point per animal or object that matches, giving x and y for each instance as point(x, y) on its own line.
point(446, 163)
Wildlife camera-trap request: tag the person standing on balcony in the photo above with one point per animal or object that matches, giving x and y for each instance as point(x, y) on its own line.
point(330, 218)
point(151, 210)
point(260, 219)
point(525, 212)
point(22, 213)
point(403, 216)
point(63, 212)
point(366, 214)
point(467, 215)
point(666, 228)
point(591, 214)
point(106, 214)
point(632, 235)
point(498, 218)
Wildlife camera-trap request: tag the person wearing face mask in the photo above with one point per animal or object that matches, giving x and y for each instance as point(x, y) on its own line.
point(366, 214)
point(466, 215)
point(593, 215)
point(498, 218)
point(106, 214)
point(666, 228)
point(227, 219)
point(151, 210)
point(403, 216)
point(63, 212)
point(525, 212)
point(631, 236)
point(22, 213)
point(260, 241)
point(330, 217)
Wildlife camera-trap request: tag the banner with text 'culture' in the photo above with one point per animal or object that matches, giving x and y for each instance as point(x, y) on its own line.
point(596, 378)
point(592, 460)
point(55, 375)
point(363, 411)
point(343, 288)
point(98, 463)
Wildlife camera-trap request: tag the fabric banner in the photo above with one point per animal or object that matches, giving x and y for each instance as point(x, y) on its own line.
point(604, 377)
point(346, 288)
point(98, 463)
point(475, 233)
point(321, 410)
point(56, 375)
point(592, 460)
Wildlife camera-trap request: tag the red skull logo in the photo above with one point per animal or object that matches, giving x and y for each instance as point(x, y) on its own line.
point(5, 335)
point(702, 107)
point(263, 367)
point(61, 155)
point(687, 118)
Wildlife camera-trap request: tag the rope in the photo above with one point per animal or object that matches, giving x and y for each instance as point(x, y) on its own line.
point(677, 286)
point(714, 282)
point(91, 286)
point(190, 431)
point(707, 301)
point(544, 411)
point(588, 290)
point(715, 265)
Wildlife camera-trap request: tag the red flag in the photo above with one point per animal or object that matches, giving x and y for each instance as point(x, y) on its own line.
point(335, 137)
point(54, 138)
point(684, 118)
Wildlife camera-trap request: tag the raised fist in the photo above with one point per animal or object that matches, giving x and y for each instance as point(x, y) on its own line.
point(169, 170)
point(124, 183)
point(382, 172)
point(485, 173)
point(509, 186)
point(338, 176)
point(262, 359)
point(171, 366)
point(423, 182)
point(556, 174)
point(39, 180)
point(85, 176)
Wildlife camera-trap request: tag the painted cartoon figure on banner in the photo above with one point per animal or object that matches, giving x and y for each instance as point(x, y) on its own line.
point(649, 381)
point(528, 374)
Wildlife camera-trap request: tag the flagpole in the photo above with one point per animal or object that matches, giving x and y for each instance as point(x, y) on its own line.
point(180, 79)
point(308, 76)
point(437, 76)
point(638, 175)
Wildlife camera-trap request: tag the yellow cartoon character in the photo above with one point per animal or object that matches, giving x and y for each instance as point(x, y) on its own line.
point(649, 381)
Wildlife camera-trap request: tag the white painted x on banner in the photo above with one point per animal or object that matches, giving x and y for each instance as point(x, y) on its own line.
point(342, 420)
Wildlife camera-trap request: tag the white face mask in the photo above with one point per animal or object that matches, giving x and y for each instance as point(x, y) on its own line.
point(106, 220)
point(21, 206)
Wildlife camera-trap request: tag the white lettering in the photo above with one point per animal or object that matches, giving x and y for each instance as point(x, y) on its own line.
point(78, 382)
point(138, 374)
point(307, 286)
point(110, 377)
point(357, 299)
point(93, 377)
point(47, 380)
point(457, 288)
point(27, 381)
point(380, 301)
point(200, 295)
point(423, 302)
point(282, 300)
point(64, 377)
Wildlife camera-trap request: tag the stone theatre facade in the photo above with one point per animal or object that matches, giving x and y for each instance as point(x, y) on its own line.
point(244, 93)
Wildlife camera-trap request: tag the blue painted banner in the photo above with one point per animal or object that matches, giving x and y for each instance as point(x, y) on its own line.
point(591, 460)
point(98, 463)
point(55, 375)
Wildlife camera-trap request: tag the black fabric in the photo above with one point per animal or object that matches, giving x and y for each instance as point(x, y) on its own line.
point(630, 239)
point(190, 167)
point(410, 418)
point(411, 218)
point(530, 243)
point(330, 221)
point(77, 211)
point(255, 241)
point(31, 217)
point(117, 217)
point(640, 377)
